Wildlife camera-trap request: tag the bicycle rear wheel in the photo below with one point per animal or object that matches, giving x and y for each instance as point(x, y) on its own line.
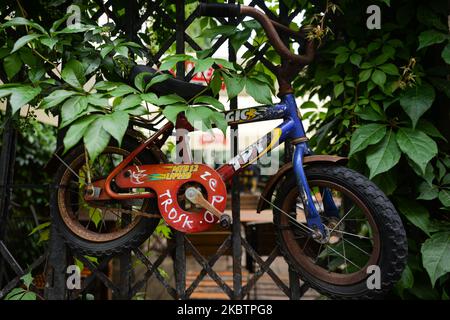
point(368, 232)
point(100, 228)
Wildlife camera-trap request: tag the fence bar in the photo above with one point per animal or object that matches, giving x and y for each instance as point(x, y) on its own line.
point(235, 195)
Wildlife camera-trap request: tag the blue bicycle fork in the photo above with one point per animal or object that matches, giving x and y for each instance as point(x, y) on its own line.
point(293, 128)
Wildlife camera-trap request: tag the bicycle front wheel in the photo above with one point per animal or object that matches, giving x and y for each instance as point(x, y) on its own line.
point(367, 239)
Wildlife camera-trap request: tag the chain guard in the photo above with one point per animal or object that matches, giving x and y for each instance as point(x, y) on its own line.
point(166, 180)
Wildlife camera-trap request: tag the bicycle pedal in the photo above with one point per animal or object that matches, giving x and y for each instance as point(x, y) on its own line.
point(225, 221)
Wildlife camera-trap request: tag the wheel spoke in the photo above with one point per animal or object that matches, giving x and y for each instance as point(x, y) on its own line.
point(343, 251)
point(355, 246)
point(318, 253)
point(345, 259)
point(352, 234)
point(342, 219)
point(288, 215)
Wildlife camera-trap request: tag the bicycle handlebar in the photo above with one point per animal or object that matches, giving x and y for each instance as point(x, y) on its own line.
point(219, 10)
point(269, 26)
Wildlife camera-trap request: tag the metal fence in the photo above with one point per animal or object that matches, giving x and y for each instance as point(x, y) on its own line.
point(56, 257)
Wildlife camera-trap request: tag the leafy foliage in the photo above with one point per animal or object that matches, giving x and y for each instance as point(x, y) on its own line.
point(388, 90)
point(21, 293)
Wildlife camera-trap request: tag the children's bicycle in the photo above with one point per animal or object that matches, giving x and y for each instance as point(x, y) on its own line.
point(333, 226)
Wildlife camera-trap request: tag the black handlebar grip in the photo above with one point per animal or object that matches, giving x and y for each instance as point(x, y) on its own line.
point(219, 10)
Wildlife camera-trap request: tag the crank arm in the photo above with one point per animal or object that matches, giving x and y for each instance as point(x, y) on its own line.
point(196, 197)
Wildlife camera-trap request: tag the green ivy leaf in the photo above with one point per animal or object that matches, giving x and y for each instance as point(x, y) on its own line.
point(95, 216)
point(219, 120)
point(76, 132)
point(106, 85)
point(417, 146)
point(29, 296)
point(446, 54)
point(384, 155)
point(430, 37)
point(27, 279)
point(202, 54)
point(95, 138)
point(72, 108)
point(24, 40)
point(234, 85)
point(73, 73)
point(340, 50)
point(116, 124)
point(171, 112)
point(224, 63)
point(139, 82)
point(417, 100)
point(97, 99)
point(49, 42)
point(40, 227)
point(368, 112)
point(201, 65)
point(341, 58)
point(22, 95)
point(379, 77)
point(12, 65)
point(389, 68)
point(436, 255)
point(171, 61)
point(163, 230)
point(259, 91)
point(106, 50)
point(338, 89)
point(158, 79)
point(170, 99)
point(19, 21)
point(429, 129)
point(213, 32)
point(308, 105)
point(91, 64)
point(122, 50)
point(427, 192)
point(407, 279)
point(216, 83)
point(16, 294)
point(150, 98)
point(210, 101)
point(444, 197)
point(198, 117)
point(366, 135)
point(386, 181)
point(237, 39)
point(122, 90)
point(365, 75)
point(129, 102)
point(416, 214)
point(355, 59)
point(55, 98)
